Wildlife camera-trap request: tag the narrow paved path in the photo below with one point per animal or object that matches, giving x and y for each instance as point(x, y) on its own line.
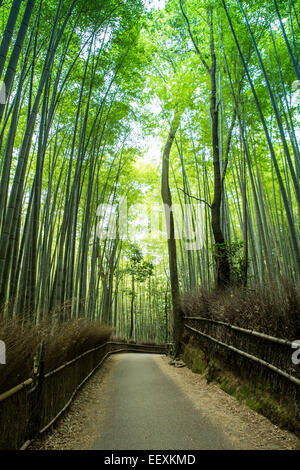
point(147, 410)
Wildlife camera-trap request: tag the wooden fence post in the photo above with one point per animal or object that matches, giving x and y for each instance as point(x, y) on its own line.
point(36, 393)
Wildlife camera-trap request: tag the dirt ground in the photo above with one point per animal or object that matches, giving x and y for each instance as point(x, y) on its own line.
point(246, 429)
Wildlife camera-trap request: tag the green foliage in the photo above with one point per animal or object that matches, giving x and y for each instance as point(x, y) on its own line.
point(138, 267)
point(232, 250)
point(119, 75)
point(195, 359)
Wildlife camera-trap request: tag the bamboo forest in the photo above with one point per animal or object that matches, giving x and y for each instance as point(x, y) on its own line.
point(93, 92)
point(149, 172)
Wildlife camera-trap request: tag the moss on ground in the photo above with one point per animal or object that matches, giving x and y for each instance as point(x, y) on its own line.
point(258, 397)
point(195, 359)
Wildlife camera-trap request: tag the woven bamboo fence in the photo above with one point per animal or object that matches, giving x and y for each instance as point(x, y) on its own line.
point(30, 408)
point(262, 357)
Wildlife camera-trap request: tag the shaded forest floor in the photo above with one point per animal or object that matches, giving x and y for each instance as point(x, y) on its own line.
point(245, 428)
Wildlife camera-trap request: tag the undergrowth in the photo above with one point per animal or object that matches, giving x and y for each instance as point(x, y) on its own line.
point(259, 396)
point(63, 341)
point(264, 308)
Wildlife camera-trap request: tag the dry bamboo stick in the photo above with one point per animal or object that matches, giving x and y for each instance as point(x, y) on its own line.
point(244, 330)
point(249, 356)
point(92, 350)
point(54, 371)
point(15, 389)
point(26, 445)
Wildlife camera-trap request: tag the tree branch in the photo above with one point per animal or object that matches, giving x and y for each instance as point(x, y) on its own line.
point(193, 40)
point(194, 197)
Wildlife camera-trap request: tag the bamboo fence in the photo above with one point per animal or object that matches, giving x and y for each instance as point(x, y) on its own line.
point(265, 356)
point(32, 407)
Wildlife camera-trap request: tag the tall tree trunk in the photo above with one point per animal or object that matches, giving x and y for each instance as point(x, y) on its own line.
point(167, 201)
point(221, 251)
point(221, 254)
point(132, 307)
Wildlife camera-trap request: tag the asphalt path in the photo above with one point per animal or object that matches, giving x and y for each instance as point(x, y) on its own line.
point(146, 410)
